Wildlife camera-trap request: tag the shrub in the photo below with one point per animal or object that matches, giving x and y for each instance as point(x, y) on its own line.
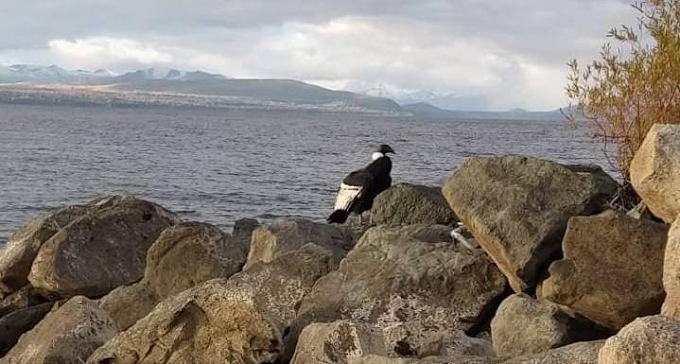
point(632, 87)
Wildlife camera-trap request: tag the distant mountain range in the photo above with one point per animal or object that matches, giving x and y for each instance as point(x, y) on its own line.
point(444, 101)
point(31, 84)
point(32, 73)
point(161, 74)
point(28, 73)
point(430, 111)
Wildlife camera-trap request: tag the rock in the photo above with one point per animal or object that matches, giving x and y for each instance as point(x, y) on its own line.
point(344, 341)
point(187, 254)
point(671, 273)
point(238, 320)
point(24, 297)
point(523, 326)
point(412, 280)
point(647, 340)
point(578, 353)
point(243, 229)
point(183, 256)
point(337, 342)
point(66, 335)
point(384, 235)
point(207, 324)
point(602, 181)
point(127, 304)
point(408, 204)
point(281, 236)
point(655, 171)
point(375, 359)
point(612, 268)
point(100, 250)
point(281, 285)
point(15, 324)
point(517, 208)
point(17, 256)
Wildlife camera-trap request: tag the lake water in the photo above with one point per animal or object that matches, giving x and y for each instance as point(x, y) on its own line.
point(219, 166)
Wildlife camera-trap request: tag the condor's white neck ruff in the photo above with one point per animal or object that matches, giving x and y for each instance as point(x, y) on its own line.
point(377, 155)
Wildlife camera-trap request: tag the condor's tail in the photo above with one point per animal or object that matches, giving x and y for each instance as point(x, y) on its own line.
point(345, 200)
point(338, 216)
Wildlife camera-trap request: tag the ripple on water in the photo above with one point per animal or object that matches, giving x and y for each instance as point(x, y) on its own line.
point(218, 166)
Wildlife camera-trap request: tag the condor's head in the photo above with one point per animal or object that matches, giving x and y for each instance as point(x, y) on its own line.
point(382, 151)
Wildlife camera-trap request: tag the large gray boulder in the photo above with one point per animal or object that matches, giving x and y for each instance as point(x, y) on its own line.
point(345, 341)
point(100, 250)
point(655, 171)
point(671, 272)
point(183, 256)
point(612, 268)
point(281, 285)
point(16, 257)
point(67, 335)
point(518, 207)
point(523, 326)
point(285, 235)
point(17, 323)
point(127, 304)
point(409, 204)
point(577, 353)
point(647, 340)
point(210, 323)
point(190, 253)
point(242, 319)
point(412, 281)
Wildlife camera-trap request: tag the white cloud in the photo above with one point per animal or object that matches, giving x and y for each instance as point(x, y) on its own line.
point(93, 52)
point(367, 51)
point(530, 85)
point(373, 51)
point(510, 52)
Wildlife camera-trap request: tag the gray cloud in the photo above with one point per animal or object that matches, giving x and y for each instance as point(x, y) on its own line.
point(510, 51)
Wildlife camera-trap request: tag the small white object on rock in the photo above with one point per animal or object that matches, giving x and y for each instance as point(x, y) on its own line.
point(457, 235)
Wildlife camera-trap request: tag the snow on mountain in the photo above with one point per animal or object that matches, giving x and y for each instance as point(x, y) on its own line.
point(34, 73)
point(86, 74)
point(29, 73)
point(168, 75)
point(408, 96)
point(447, 101)
point(103, 73)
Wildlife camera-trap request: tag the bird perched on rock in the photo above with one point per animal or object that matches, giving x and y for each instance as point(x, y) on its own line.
point(360, 187)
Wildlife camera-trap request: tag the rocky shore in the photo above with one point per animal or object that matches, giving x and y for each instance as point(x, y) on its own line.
point(546, 273)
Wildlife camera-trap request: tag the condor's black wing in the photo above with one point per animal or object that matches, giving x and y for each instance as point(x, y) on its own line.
point(352, 188)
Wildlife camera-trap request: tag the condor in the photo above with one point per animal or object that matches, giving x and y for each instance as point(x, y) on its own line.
point(360, 187)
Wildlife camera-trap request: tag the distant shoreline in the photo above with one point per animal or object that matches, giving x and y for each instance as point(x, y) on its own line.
point(34, 96)
point(80, 97)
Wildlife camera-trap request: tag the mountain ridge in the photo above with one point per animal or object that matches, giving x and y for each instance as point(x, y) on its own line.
point(428, 110)
point(174, 87)
point(447, 101)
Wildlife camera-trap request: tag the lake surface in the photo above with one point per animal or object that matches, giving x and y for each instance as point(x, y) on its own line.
point(219, 166)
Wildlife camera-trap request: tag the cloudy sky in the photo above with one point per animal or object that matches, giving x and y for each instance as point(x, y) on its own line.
point(509, 53)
